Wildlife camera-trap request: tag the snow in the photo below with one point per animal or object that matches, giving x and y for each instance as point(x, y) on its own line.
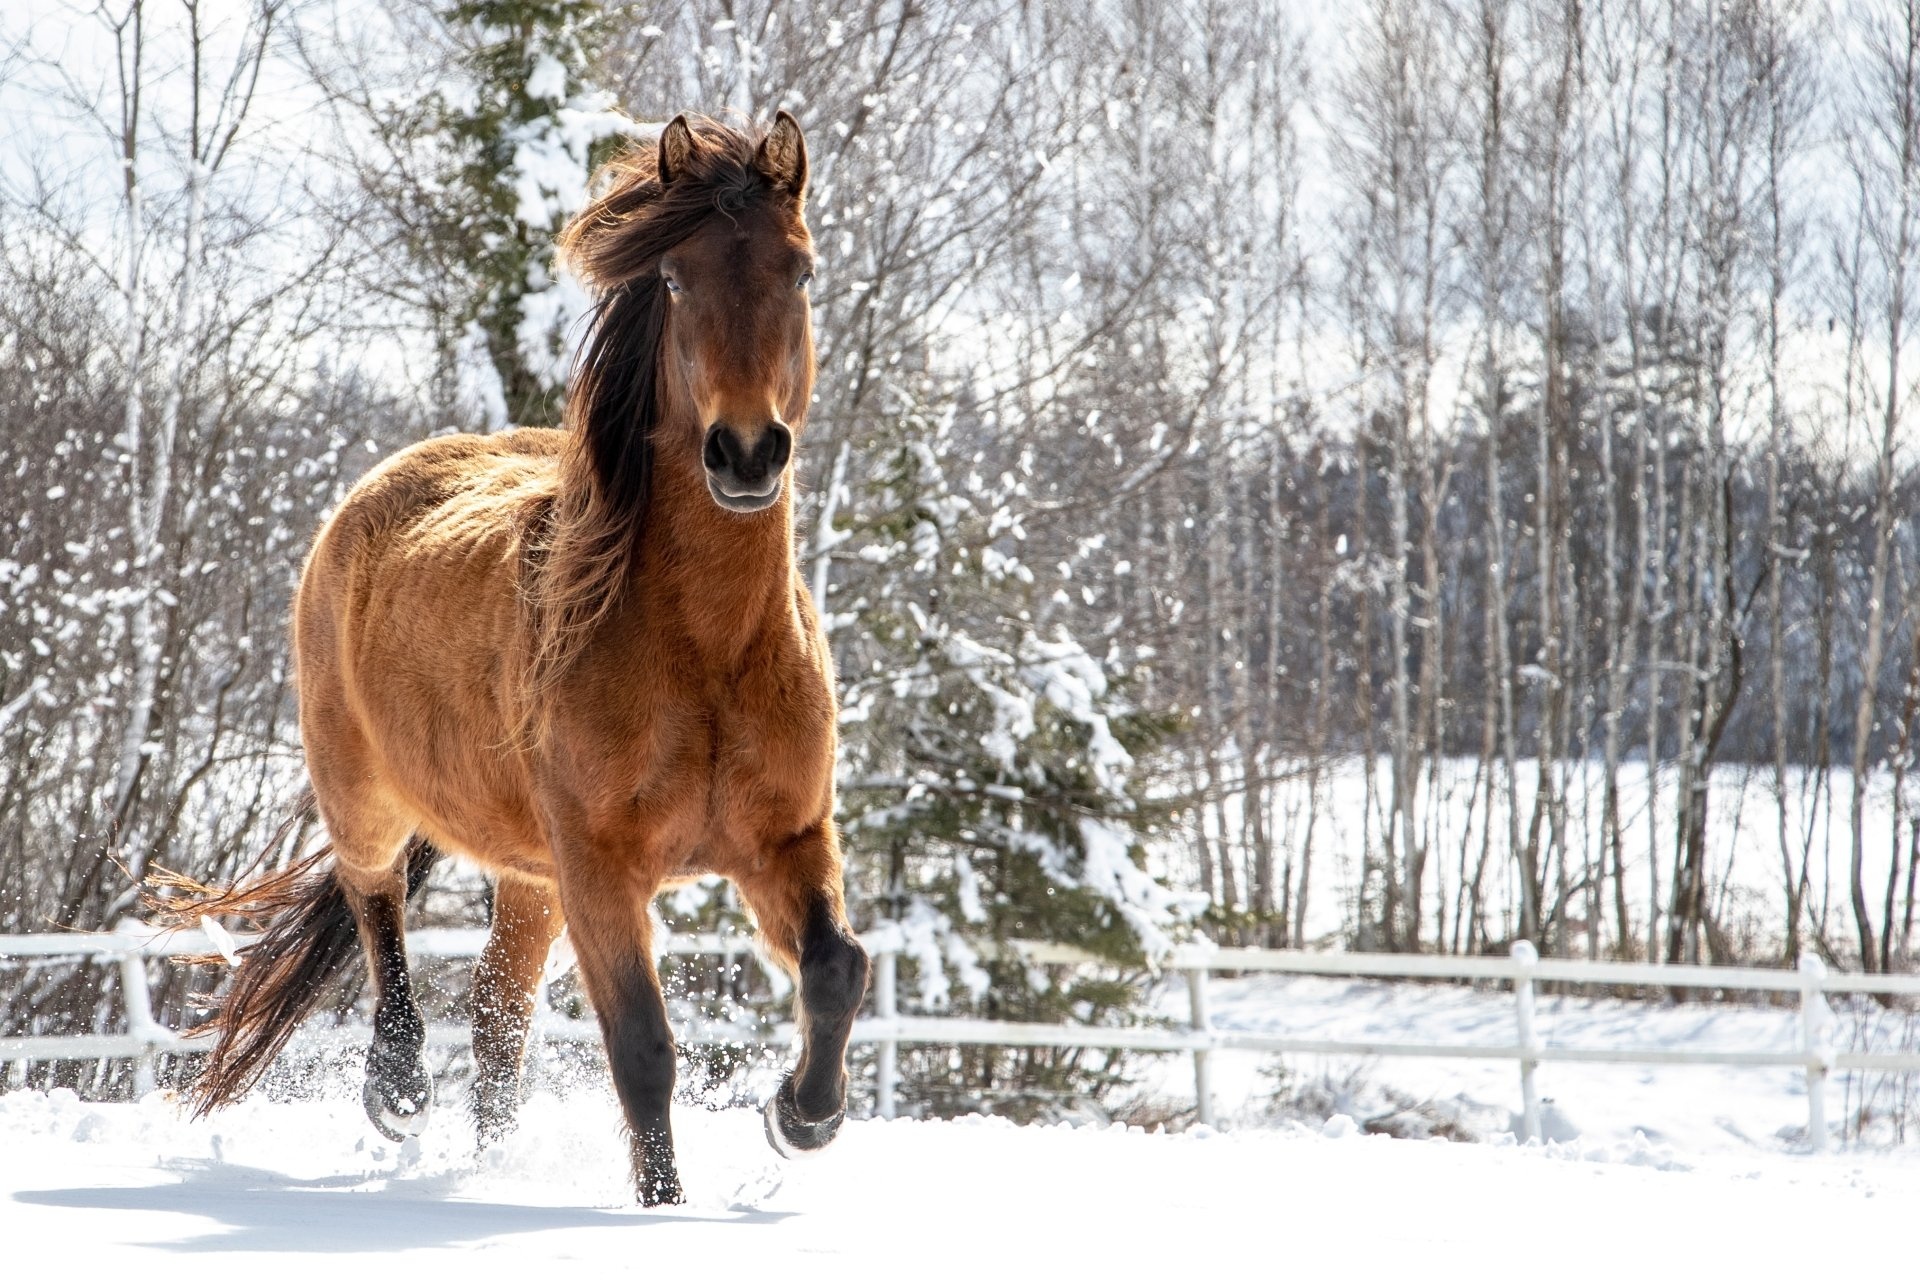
point(1072, 681)
point(479, 390)
point(1671, 1115)
point(547, 82)
point(297, 1189)
point(1673, 1166)
point(549, 176)
point(550, 323)
point(927, 936)
point(222, 941)
point(550, 173)
point(1150, 909)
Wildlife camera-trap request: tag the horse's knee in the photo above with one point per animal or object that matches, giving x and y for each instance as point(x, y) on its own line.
point(833, 970)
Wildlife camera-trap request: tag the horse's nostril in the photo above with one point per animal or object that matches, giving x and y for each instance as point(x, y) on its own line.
point(770, 451)
point(715, 455)
point(778, 442)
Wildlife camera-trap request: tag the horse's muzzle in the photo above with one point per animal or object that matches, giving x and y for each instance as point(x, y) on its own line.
point(746, 478)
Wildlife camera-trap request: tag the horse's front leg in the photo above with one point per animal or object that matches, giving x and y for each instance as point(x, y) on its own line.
point(798, 902)
point(606, 913)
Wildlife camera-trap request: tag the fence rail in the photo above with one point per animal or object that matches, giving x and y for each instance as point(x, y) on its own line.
point(131, 947)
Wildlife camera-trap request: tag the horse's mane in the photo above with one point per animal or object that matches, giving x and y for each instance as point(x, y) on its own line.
point(583, 545)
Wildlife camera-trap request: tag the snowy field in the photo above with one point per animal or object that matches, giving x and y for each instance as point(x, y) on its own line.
point(1653, 1170)
point(1661, 1115)
point(295, 1189)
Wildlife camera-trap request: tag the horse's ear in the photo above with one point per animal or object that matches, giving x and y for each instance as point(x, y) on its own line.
point(783, 156)
point(676, 150)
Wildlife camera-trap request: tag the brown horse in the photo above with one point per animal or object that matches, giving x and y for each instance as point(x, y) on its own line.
point(586, 660)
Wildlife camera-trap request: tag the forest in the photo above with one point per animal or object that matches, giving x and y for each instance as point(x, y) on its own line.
point(1417, 477)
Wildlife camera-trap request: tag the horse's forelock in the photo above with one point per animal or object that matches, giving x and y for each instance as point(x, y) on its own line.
point(619, 237)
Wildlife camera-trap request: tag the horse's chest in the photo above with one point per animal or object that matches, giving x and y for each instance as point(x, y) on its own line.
point(743, 766)
point(773, 753)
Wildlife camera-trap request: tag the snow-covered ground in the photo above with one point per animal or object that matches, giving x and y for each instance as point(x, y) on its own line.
point(1663, 1115)
point(293, 1189)
point(1655, 1170)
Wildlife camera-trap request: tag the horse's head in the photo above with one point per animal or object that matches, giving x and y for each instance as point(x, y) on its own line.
point(702, 252)
point(739, 340)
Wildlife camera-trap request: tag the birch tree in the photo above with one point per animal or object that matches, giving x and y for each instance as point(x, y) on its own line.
point(1884, 157)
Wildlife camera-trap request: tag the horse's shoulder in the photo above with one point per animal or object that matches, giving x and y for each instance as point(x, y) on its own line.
point(812, 629)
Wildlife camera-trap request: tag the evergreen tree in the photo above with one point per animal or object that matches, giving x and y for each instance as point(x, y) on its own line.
point(988, 790)
point(522, 140)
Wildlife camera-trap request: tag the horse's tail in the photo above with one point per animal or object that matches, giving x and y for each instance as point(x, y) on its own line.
point(309, 941)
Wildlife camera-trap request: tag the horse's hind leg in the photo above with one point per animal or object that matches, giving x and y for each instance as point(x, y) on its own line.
point(399, 1091)
point(797, 902)
point(379, 858)
point(377, 862)
point(526, 919)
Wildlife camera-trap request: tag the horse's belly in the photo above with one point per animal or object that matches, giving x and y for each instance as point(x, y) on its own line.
point(471, 801)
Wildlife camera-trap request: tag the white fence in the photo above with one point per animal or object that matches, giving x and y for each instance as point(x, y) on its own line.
point(888, 1029)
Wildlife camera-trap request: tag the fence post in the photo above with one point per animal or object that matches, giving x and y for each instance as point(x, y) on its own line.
point(1527, 956)
point(886, 1003)
point(1202, 1022)
point(1814, 1014)
point(138, 998)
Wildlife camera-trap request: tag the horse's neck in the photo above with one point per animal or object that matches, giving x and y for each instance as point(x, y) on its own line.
point(724, 579)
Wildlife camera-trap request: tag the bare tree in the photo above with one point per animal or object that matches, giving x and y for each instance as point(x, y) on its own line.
point(1884, 157)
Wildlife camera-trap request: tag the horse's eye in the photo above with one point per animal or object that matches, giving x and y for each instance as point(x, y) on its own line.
point(806, 278)
point(673, 286)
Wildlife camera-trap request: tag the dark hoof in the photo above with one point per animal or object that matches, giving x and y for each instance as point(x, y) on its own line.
point(656, 1181)
point(655, 1193)
point(398, 1098)
point(789, 1134)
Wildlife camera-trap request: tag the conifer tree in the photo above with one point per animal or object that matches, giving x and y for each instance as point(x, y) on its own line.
point(988, 789)
point(523, 140)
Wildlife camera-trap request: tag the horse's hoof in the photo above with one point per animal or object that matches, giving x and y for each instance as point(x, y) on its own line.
point(792, 1136)
point(399, 1110)
point(656, 1179)
point(654, 1194)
